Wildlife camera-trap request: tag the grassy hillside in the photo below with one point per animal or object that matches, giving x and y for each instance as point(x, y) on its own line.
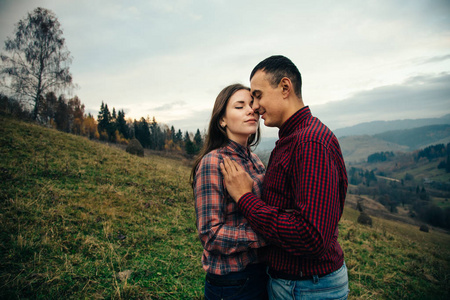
point(418, 138)
point(83, 220)
point(357, 148)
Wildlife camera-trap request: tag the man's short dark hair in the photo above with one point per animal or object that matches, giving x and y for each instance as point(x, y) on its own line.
point(277, 67)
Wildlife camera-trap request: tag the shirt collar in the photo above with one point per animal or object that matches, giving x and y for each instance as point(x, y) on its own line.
point(294, 121)
point(237, 148)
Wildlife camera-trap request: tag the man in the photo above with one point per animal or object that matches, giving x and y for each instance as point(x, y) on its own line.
point(303, 193)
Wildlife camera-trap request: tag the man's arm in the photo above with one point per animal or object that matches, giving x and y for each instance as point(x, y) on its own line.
point(310, 227)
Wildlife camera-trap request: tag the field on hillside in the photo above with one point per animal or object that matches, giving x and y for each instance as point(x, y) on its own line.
point(80, 219)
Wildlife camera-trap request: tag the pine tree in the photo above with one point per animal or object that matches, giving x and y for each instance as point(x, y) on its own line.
point(62, 115)
point(142, 133)
point(179, 137)
point(173, 134)
point(198, 140)
point(121, 124)
point(112, 126)
point(104, 117)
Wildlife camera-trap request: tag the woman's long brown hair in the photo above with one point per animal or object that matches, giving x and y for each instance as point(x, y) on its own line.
point(216, 137)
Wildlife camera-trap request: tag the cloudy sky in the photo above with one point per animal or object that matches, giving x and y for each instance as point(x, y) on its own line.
point(360, 60)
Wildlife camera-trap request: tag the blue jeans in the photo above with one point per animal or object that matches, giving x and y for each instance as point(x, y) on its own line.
point(249, 284)
point(331, 286)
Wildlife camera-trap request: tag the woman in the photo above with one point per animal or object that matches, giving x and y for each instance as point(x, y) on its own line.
point(230, 256)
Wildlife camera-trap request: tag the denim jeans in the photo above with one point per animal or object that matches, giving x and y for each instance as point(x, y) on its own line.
point(331, 286)
point(252, 284)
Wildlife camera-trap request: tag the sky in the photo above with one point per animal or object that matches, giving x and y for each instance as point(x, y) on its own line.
point(360, 60)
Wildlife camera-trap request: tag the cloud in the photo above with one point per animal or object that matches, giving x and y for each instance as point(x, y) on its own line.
point(436, 59)
point(424, 96)
point(193, 120)
point(170, 106)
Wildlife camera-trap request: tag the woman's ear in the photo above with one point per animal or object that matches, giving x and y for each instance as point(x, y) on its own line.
point(222, 123)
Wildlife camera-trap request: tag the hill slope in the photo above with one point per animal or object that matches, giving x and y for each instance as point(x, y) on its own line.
point(358, 148)
point(376, 127)
point(83, 220)
point(418, 138)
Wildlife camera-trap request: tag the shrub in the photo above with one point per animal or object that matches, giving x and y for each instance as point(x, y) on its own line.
point(424, 228)
point(134, 147)
point(364, 219)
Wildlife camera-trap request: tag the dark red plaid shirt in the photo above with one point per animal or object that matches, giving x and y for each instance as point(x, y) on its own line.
point(303, 199)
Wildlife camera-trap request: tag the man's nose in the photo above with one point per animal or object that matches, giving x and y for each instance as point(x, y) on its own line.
point(255, 105)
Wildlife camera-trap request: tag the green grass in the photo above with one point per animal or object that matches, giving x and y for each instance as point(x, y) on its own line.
point(74, 214)
point(81, 220)
point(441, 202)
point(425, 169)
point(393, 260)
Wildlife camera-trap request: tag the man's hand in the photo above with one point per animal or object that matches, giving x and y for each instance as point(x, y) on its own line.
point(237, 181)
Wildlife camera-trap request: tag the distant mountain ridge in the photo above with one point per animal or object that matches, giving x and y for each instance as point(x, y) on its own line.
point(358, 147)
point(376, 127)
point(418, 138)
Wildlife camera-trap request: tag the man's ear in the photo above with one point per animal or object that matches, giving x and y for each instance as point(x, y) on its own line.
point(286, 86)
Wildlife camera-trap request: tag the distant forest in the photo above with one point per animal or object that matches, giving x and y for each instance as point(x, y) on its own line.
point(406, 192)
point(112, 126)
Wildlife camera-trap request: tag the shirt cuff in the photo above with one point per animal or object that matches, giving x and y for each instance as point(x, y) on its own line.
point(247, 203)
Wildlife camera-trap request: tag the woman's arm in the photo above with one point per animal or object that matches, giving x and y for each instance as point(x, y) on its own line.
point(215, 233)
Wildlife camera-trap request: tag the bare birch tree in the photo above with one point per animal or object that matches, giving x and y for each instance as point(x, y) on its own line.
point(36, 60)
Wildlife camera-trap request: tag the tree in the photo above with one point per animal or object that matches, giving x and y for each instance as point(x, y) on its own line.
point(104, 119)
point(37, 60)
point(62, 115)
point(91, 127)
point(173, 134)
point(189, 146)
point(142, 132)
point(198, 140)
point(121, 124)
point(112, 126)
point(157, 136)
point(370, 177)
point(178, 137)
point(49, 107)
point(447, 167)
point(77, 110)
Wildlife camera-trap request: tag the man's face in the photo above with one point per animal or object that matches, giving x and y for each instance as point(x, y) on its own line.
point(267, 100)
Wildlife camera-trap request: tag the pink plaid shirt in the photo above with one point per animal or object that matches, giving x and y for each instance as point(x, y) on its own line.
point(229, 243)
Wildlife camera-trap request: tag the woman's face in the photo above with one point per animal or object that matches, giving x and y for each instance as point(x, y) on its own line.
point(240, 119)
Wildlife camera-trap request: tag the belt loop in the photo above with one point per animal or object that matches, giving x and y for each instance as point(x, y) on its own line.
point(315, 279)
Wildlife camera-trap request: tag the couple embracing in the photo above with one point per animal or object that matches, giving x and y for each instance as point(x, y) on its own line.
point(270, 234)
